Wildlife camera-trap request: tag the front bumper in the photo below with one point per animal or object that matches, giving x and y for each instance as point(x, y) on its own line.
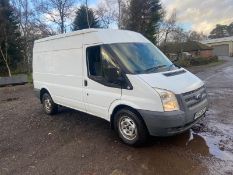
point(171, 123)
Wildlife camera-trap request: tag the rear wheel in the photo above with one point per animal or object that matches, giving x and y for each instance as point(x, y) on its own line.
point(49, 106)
point(130, 127)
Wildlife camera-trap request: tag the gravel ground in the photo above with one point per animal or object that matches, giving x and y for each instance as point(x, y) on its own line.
point(75, 143)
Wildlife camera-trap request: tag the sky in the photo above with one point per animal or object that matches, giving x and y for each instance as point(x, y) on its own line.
point(198, 15)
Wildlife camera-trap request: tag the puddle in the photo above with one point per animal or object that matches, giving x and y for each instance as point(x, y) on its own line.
point(212, 145)
point(213, 150)
point(217, 136)
point(217, 149)
point(197, 144)
point(217, 132)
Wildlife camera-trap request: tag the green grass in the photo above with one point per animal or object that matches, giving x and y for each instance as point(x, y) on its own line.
point(30, 80)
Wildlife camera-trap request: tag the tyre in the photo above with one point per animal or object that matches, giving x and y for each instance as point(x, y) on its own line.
point(130, 127)
point(49, 106)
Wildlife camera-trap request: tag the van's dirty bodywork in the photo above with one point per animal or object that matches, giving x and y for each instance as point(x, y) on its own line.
point(121, 77)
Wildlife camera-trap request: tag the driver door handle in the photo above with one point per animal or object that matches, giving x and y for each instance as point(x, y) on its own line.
point(85, 83)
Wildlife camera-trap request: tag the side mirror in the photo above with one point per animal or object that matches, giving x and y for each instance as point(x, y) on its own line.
point(113, 75)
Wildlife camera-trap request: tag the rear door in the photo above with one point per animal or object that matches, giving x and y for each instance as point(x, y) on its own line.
point(99, 93)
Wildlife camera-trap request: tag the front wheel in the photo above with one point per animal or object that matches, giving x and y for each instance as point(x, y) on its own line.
point(130, 127)
point(49, 106)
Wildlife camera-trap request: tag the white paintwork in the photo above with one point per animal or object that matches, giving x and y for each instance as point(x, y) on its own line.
point(98, 97)
point(177, 84)
point(59, 65)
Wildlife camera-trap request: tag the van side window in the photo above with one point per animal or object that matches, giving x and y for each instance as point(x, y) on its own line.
point(107, 63)
point(99, 63)
point(94, 61)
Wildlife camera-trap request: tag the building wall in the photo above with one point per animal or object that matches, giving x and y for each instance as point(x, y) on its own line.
point(202, 53)
point(231, 49)
point(206, 53)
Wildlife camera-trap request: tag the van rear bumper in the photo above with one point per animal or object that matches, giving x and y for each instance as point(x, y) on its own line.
point(171, 123)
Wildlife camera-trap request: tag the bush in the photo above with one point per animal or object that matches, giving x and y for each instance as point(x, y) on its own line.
point(196, 61)
point(183, 62)
point(202, 61)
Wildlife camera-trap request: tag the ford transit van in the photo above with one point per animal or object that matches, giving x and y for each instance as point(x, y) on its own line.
point(119, 76)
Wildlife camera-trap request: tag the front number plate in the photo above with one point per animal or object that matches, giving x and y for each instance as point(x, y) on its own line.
point(199, 113)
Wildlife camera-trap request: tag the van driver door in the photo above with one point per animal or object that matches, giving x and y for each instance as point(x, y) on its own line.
point(99, 91)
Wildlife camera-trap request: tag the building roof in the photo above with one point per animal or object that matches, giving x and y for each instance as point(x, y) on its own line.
point(218, 40)
point(184, 47)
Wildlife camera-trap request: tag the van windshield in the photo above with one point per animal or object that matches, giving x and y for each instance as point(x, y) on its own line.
point(141, 58)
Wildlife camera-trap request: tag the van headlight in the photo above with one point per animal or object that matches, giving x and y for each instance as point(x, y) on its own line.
point(168, 99)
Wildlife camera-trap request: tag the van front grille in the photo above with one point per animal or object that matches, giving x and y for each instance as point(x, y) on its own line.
point(194, 97)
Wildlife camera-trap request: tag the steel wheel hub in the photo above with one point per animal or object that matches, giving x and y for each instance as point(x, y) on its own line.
point(128, 128)
point(48, 104)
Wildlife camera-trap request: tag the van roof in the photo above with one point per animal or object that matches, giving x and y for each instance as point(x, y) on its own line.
point(77, 39)
point(79, 32)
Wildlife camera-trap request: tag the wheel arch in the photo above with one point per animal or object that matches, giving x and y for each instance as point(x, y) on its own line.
point(42, 91)
point(124, 106)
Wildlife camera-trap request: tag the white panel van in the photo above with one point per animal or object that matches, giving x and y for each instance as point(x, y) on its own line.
point(121, 77)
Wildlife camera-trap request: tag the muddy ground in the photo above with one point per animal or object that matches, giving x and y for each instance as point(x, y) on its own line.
point(75, 143)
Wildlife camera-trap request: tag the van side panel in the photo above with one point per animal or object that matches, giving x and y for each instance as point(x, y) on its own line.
point(63, 43)
point(58, 68)
point(142, 96)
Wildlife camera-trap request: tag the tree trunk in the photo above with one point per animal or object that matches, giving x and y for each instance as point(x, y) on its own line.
point(62, 25)
point(119, 15)
point(6, 63)
point(87, 15)
point(165, 42)
point(62, 28)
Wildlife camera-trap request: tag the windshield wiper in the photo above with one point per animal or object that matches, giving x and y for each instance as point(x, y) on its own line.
point(152, 69)
point(170, 67)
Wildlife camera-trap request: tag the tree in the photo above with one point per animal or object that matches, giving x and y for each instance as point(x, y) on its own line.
point(31, 28)
point(144, 17)
point(106, 13)
point(113, 12)
point(123, 13)
point(230, 29)
point(56, 11)
point(10, 39)
point(81, 22)
point(169, 25)
point(179, 35)
point(195, 36)
point(166, 27)
point(219, 31)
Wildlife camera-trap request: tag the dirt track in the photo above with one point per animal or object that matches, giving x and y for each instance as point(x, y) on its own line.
point(75, 143)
